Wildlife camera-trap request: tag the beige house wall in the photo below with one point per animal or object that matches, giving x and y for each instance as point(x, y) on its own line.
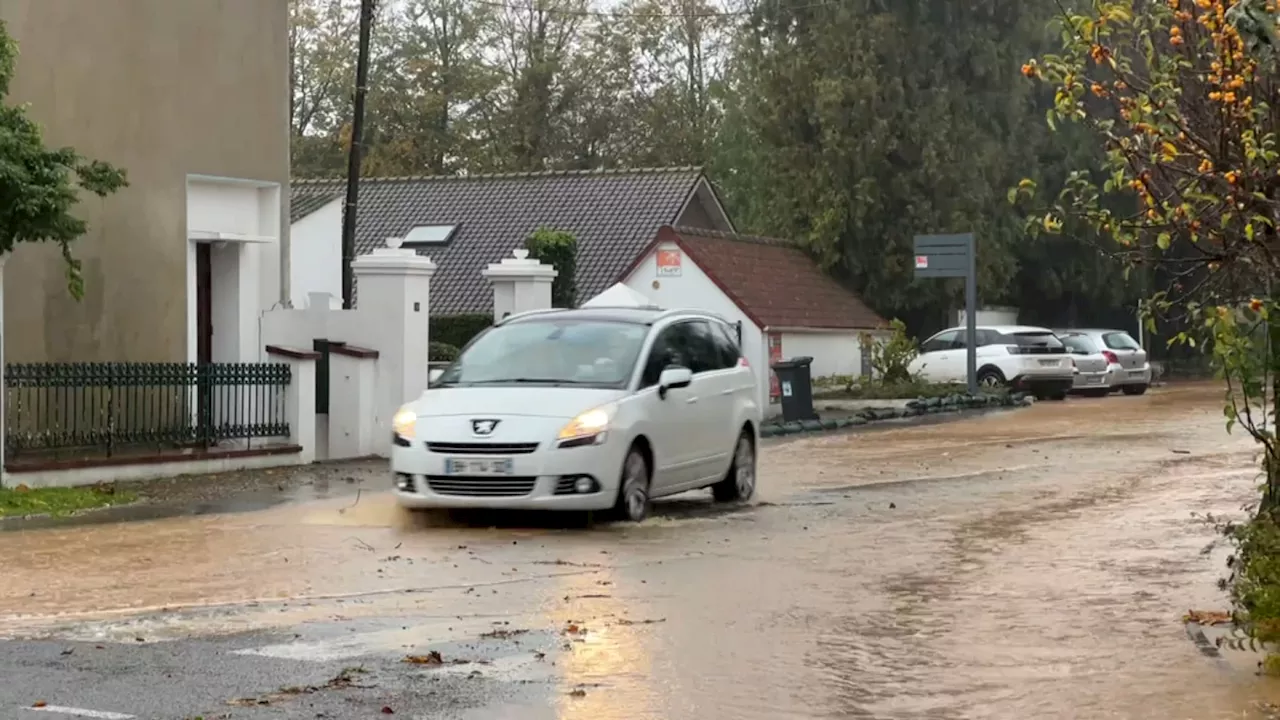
point(163, 88)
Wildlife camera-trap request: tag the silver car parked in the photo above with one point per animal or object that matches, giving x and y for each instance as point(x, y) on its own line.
point(1127, 367)
point(1093, 366)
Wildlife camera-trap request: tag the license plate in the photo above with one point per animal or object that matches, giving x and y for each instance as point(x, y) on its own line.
point(1048, 363)
point(1093, 380)
point(1135, 373)
point(477, 466)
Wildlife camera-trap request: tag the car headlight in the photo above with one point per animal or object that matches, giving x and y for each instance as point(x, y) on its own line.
point(405, 423)
point(587, 425)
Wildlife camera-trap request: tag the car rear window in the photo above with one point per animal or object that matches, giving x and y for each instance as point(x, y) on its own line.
point(1120, 341)
point(1036, 340)
point(1079, 344)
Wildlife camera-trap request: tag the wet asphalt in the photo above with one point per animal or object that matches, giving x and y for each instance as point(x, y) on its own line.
point(1031, 563)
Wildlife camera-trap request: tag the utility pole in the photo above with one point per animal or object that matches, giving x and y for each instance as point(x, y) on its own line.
point(355, 154)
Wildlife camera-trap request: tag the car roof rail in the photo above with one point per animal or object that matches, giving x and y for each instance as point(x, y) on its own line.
point(529, 313)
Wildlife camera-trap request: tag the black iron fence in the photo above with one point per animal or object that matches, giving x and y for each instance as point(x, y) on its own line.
point(104, 407)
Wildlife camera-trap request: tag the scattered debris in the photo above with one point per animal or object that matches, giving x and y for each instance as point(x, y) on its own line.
point(624, 621)
point(38, 703)
point(502, 633)
point(431, 658)
point(386, 710)
point(577, 692)
point(1180, 452)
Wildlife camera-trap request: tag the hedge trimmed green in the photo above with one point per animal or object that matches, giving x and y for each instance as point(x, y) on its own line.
point(441, 352)
point(559, 250)
point(457, 330)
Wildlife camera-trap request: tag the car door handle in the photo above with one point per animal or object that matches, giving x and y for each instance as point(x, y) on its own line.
point(691, 399)
point(730, 391)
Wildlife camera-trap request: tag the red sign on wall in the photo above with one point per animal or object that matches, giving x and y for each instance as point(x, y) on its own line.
point(775, 355)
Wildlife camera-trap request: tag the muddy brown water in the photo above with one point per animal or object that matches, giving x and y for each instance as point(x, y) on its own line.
point(1026, 564)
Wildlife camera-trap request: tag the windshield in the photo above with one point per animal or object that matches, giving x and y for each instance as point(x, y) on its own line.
point(1120, 341)
point(552, 352)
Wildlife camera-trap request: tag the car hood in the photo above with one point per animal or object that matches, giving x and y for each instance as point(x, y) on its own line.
point(549, 402)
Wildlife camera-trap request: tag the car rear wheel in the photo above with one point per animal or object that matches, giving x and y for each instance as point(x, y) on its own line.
point(633, 489)
point(990, 378)
point(740, 483)
point(1134, 389)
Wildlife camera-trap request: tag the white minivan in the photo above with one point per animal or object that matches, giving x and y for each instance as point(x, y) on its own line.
point(587, 409)
point(1019, 356)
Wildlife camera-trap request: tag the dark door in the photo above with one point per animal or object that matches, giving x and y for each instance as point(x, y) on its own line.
point(204, 342)
point(204, 303)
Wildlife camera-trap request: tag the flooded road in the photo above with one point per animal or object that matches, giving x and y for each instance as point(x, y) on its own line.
point(1033, 563)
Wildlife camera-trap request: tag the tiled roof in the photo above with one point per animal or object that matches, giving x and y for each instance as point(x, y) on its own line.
point(303, 204)
point(614, 214)
point(773, 281)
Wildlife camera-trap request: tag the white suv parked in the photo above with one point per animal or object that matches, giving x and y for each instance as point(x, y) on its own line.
point(1023, 357)
point(589, 409)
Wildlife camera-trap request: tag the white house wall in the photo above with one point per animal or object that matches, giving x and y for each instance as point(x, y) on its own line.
point(833, 353)
point(315, 244)
point(694, 290)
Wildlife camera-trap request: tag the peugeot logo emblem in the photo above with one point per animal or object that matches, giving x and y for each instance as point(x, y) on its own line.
point(483, 427)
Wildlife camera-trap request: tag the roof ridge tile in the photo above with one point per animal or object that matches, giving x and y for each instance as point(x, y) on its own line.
point(673, 169)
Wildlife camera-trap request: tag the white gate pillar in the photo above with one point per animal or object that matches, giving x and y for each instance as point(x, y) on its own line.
point(520, 283)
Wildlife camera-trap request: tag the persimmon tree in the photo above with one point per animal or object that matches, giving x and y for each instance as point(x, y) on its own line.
point(1183, 96)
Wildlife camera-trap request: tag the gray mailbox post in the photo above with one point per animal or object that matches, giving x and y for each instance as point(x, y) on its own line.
point(953, 256)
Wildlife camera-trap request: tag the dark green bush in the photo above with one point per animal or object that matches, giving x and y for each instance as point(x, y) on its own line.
point(441, 352)
point(457, 330)
point(560, 251)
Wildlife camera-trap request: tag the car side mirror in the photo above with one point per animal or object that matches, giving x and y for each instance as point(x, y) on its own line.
point(434, 374)
point(673, 377)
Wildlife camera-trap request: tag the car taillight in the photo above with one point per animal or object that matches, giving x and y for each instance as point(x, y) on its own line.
point(1111, 357)
point(1016, 350)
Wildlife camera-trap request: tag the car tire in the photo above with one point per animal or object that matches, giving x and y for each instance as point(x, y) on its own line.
point(1096, 393)
point(633, 500)
point(1134, 389)
point(1058, 396)
point(739, 484)
point(991, 378)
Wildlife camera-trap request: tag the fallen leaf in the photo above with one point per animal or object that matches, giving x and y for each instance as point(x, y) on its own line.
point(38, 703)
point(1207, 617)
point(431, 658)
point(386, 710)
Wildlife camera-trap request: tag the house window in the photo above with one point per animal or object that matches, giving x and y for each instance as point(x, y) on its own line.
point(430, 234)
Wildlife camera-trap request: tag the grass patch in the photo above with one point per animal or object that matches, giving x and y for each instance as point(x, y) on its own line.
point(21, 500)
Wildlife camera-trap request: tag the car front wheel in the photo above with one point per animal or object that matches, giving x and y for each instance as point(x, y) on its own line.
point(740, 482)
point(633, 490)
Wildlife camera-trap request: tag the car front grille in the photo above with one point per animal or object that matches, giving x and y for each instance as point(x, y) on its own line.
point(516, 486)
point(447, 448)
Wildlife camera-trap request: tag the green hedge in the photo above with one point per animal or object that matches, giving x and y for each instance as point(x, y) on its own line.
point(457, 330)
point(441, 352)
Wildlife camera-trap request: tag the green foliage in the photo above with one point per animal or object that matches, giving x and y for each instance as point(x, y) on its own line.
point(857, 388)
point(441, 352)
point(21, 500)
point(559, 250)
point(457, 330)
point(39, 186)
point(889, 359)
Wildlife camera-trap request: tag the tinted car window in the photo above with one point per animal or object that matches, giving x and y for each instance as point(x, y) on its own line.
point(704, 352)
point(941, 341)
point(1079, 344)
point(1120, 341)
point(726, 344)
point(1033, 340)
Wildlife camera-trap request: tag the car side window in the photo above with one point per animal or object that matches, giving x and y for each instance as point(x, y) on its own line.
point(661, 354)
point(941, 341)
point(704, 353)
point(726, 344)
